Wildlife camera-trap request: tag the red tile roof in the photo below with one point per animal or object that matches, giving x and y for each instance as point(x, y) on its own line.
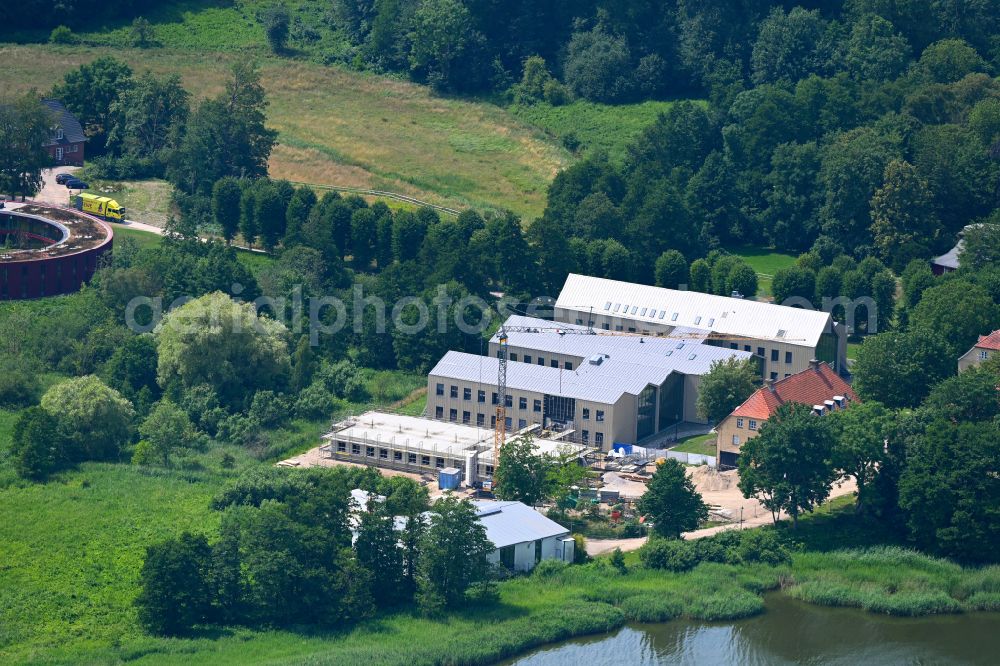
point(812, 386)
point(991, 341)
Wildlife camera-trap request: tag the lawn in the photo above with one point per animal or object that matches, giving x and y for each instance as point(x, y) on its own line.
point(145, 239)
point(595, 127)
point(344, 128)
point(700, 444)
point(766, 263)
point(146, 201)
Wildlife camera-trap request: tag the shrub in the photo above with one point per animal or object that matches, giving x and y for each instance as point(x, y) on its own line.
point(672, 555)
point(555, 93)
point(549, 569)
point(580, 555)
point(18, 387)
point(652, 607)
point(315, 402)
point(734, 605)
point(62, 35)
point(762, 546)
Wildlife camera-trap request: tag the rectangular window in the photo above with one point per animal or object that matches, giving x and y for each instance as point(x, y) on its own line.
point(480, 419)
point(440, 389)
point(453, 391)
point(466, 417)
point(495, 399)
point(411, 458)
point(642, 313)
point(452, 414)
point(397, 456)
point(481, 396)
point(617, 305)
point(983, 355)
point(788, 357)
point(663, 313)
point(739, 423)
point(634, 308)
point(618, 327)
point(600, 415)
point(554, 363)
point(760, 352)
point(711, 322)
point(697, 320)
point(466, 394)
point(599, 438)
point(541, 361)
point(513, 356)
point(493, 422)
point(509, 422)
point(606, 326)
point(585, 438)
point(746, 348)
point(521, 424)
point(342, 447)
point(522, 403)
point(631, 329)
point(586, 413)
point(536, 406)
point(607, 306)
point(527, 358)
point(383, 454)
point(774, 355)
point(567, 365)
point(439, 412)
point(774, 375)
point(439, 463)
point(736, 440)
point(733, 345)
point(579, 322)
point(356, 449)
point(753, 424)
point(510, 401)
point(425, 461)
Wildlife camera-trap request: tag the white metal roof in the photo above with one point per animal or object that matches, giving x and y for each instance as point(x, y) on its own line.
point(625, 372)
point(556, 338)
point(510, 523)
point(397, 430)
point(707, 312)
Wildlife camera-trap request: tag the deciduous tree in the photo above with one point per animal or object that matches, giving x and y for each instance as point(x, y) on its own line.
point(672, 502)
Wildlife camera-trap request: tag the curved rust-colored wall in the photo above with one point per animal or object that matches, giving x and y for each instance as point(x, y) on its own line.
point(48, 273)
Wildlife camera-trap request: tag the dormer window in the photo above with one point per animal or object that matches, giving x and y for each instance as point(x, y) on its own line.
point(59, 133)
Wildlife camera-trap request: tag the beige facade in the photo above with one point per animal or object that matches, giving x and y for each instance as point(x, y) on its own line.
point(733, 432)
point(974, 358)
point(595, 424)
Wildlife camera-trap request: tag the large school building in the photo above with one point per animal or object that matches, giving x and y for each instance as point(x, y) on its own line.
point(784, 338)
point(598, 388)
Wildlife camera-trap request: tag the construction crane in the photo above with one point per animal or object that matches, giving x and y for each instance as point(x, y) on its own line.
point(500, 430)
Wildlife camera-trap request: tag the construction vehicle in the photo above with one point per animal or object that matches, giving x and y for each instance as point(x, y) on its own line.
point(102, 207)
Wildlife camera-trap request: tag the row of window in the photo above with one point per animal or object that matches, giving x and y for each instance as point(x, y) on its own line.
point(521, 423)
point(752, 425)
point(522, 402)
point(540, 360)
point(397, 456)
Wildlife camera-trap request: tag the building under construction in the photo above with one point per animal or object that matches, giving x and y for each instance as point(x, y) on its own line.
point(596, 388)
point(426, 446)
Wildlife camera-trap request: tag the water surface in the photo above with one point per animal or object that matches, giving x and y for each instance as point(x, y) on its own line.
point(790, 632)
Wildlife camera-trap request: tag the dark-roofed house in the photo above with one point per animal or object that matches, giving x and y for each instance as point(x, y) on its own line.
point(987, 347)
point(67, 140)
point(818, 386)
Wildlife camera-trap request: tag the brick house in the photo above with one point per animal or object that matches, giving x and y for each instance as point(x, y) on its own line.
point(983, 350)
point(67, 140)
point(818, 386)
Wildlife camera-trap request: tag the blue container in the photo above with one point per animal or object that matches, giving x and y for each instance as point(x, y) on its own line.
point(449, 478)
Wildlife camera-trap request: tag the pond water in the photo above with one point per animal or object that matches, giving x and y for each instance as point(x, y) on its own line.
point(790, 632)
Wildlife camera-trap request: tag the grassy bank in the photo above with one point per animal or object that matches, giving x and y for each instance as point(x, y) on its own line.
point(340, 127)
point(700, 444)
point(588, 127)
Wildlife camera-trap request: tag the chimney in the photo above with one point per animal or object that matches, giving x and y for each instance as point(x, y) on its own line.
point(769, 383)
point(814, 365)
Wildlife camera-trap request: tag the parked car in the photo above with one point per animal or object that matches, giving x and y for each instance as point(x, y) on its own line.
point(61, 178)
point(76, 184)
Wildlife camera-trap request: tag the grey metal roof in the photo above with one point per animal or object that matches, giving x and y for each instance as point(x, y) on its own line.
point(624, 372)
point(509, 523)
point(546, 337)
point(950, 258)
point(706, 312)
point(72, 130)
